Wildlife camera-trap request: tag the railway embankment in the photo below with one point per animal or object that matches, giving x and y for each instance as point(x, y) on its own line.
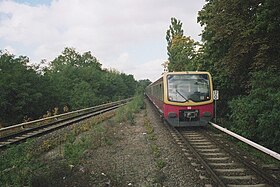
point(126, 150)
point(131, 150)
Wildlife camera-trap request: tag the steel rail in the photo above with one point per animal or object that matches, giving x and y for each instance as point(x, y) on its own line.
point(209, 170)
point(22, 126)
point(249, 142)
point(259, 173)
point(263, 174)
point(49, 127)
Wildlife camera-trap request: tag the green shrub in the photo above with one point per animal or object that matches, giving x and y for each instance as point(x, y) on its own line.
point(126, 113)
point(74, 149)
point(257, 116)
point(17, 165)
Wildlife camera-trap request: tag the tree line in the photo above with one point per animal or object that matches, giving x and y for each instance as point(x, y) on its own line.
point(71, 81)
point(240, 48)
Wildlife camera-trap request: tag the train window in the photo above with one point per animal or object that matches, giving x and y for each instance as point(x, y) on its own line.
point(161, 92)
point(185, 87)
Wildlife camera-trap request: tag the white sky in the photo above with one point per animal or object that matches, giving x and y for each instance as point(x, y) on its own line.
point(128, 35)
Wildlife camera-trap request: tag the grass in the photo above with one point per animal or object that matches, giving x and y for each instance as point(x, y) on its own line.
point(74, 150)
point(159, 163)
point(126, 113)
point(152, 138)
point(20, 165)
point(17, 165)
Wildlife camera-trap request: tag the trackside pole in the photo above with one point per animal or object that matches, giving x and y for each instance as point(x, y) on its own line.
point(215, 111)
point(215, 97)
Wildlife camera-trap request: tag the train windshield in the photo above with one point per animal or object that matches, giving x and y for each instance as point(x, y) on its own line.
point(186, 87)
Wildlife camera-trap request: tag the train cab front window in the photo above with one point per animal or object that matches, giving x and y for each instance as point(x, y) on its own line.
point(186, 87)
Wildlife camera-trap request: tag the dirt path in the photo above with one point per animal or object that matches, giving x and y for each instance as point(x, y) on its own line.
point(125, 154)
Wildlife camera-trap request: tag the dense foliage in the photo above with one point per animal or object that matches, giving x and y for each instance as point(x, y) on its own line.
point(241, 44)
point(256, 115)
point(180, 49)
point(23, 92)
point(72, 79)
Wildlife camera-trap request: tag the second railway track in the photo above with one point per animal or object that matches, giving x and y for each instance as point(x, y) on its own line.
point(21, 132)
point(217, 163)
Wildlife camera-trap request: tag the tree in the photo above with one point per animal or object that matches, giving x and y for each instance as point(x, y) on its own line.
point(175, 29)
point(76, 78)
point(142, 84)
point(228, 46)
point(256, 116)
point(239, 37)
point(116, 85)
point(20, 89)
point(80, 81)
point(241, 50)
point(180, 49)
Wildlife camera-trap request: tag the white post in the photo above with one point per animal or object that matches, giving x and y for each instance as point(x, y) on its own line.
point(215, 111)
point(215, 97)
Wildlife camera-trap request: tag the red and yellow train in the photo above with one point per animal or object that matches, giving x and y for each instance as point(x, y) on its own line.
point(183, 98)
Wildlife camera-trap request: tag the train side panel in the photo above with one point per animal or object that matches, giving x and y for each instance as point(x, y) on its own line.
point(158, 103)
point(155, 94)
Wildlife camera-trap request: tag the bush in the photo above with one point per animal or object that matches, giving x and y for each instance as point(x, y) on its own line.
point(257, 116)
point(126, 113)
point(74, 149)
point(17, 165)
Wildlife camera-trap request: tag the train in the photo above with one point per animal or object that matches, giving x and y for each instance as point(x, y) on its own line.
point(183, 98)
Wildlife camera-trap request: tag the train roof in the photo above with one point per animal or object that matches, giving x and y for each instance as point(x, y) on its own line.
point(185, 72)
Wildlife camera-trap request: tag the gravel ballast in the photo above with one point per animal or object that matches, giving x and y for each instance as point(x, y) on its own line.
point(138, 153)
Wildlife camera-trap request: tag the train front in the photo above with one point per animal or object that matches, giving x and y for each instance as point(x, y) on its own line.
point(188, 99)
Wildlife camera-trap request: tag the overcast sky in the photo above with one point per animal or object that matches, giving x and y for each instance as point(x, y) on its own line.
point(128, 35)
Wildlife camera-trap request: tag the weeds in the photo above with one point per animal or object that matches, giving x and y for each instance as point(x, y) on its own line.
point(20, 164)
point(160, 164)
point(73, 152)
point(75, 148)
point(127, 112)
point(17, 165)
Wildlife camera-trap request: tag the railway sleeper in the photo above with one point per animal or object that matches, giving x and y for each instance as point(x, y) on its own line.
point(207, 149)
point(201, 143)
point(235, 170)
point(198, 140)
point(212, 154)
point(226, 164)
point(218, 158)
point(248, 185)
point(240, 179)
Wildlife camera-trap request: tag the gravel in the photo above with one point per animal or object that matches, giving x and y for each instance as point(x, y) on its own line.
point(129, 155)
point(178, 170)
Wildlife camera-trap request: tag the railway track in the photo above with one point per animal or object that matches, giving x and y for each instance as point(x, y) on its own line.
point(21, 132)
point(217, 162)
